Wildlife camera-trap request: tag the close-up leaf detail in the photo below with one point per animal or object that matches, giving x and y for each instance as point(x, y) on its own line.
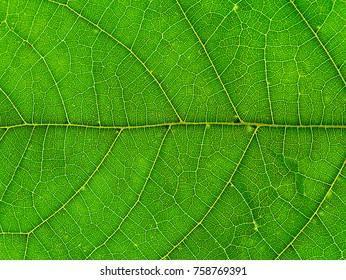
point(172, 129)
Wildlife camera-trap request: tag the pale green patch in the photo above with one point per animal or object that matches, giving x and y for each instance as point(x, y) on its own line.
point(255, 225)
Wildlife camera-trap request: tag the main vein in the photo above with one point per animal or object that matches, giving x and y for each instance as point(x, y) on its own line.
point(180, 123)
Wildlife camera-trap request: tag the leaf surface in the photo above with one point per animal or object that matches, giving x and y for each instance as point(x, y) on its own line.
point(172, 129)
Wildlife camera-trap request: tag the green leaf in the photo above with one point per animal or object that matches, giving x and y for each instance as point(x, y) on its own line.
point(172, 129)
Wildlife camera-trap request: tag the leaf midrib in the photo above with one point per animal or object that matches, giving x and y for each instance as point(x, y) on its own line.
point(183, 123)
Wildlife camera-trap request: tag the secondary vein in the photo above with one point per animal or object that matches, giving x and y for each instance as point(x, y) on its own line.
point(315, 213)
point(217, 199)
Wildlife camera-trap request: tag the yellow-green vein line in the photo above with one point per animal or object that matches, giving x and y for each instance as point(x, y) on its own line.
point(125, 47)
point(3, 135)
point(48, 68)
point(139, 195)
point(81, 188)
point(26, 246)
point(266, 77)
point(14, 106)
point(315, 213)
point(217, 199)
point(13, 233)
point(210, 60)
point(18, 165)
point(122, 127)
point(319, 41)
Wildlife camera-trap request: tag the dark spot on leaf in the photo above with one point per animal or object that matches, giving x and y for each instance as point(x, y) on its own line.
point(236, 119)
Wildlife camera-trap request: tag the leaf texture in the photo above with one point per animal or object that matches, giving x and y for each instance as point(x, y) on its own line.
point(172, 129)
